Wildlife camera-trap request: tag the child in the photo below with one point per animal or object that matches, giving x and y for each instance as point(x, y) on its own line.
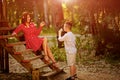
point(70, 48)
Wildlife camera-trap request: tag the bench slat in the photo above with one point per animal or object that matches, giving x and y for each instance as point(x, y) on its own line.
point(34, 58)
point(16, 43)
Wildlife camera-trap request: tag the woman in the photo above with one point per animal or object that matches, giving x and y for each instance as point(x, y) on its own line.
point(31, 37)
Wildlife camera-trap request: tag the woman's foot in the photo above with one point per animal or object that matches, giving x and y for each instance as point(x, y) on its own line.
point(56, 66)
point(46, 58)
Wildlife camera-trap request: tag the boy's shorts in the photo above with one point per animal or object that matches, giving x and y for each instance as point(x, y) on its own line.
point(71, 59)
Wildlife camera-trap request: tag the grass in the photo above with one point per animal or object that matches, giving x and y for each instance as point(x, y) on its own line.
point(51, 31)
point(112, 59)
point(48, 31)
point(60, 53)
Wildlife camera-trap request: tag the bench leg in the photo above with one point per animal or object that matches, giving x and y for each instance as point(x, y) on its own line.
point(35, 75)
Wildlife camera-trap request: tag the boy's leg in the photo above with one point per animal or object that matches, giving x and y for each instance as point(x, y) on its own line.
point(71, 61)
point(72, 70)
point(72, 73)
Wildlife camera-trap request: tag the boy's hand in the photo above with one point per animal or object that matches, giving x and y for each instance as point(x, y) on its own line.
point(42, 23)
point(60, 30)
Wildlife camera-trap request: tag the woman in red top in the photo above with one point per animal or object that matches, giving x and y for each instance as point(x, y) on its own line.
point(32, 40)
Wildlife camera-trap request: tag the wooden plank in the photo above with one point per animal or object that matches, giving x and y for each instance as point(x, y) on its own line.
point(6, 36)
point(21, 52)
point(50, 66)
point(6, 28)
point(37, 57)
point(35, 75)
point(19, 58)
point(1, 59)
point(53, 73)
point(17, 53)
point(49, 74)
point(13, 44)
point(42, 66)
point(6, 61)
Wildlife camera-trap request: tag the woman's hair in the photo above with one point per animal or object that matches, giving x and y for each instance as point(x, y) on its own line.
point(24, 17)
point(69, 23)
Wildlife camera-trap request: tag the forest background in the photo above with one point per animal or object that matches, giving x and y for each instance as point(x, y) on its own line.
point(96, 23)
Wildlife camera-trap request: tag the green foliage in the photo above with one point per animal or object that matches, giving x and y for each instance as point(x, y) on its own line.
point(59, 53)
point(15, 8)
point(12, 40)
point(108, 44)
point(97, 22)
point(48, 31)
point(103, 21)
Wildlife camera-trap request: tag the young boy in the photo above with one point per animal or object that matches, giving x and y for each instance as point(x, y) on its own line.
point(70, 48)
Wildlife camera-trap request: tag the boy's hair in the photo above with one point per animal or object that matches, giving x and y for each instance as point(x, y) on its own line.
point(69, 23)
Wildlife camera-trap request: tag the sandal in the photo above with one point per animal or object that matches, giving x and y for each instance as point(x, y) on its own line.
point(46, 59)
point(55, 65)
point(72, 77)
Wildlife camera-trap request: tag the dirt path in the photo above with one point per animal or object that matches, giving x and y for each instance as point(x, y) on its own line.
point(98, 70)
point(95, 71)
point(98, 76)
point(90, 76)
point(81, 76)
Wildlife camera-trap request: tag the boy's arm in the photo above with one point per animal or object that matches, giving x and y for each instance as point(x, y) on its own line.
point(61, 38)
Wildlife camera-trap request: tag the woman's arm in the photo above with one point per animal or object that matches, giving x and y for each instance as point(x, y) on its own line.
point(17, 30)
point(40, 28)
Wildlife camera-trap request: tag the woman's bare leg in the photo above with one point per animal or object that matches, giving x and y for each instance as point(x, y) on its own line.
point(48, 53)
point(52, 58)
point(45, 49)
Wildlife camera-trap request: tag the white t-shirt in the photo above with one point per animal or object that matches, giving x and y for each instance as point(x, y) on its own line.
point(69, 41)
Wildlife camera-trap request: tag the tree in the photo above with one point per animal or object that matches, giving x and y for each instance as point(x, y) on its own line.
point(46, 14)
point(104, 25)
point(57, 13)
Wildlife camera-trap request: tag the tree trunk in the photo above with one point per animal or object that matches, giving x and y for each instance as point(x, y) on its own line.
point(57, 13)
point(46, 12)
point(57, 17)
point(4, 11)
point(4, 63)
point(35, 11)
point(93, 28)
